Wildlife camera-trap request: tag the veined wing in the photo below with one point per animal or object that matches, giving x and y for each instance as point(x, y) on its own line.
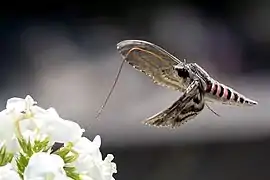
point(187, 107)
point(153, 61)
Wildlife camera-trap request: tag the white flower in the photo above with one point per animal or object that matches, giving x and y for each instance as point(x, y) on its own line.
point(23, 115)
point(58, 129)
point(25, 130)
point(7, 133)
point(21, 109)
point(43, 166)
point(85, 146)
point(19, 105)
point(6, 127)
point(16, 119)
point(7, 173)
point(90, 163)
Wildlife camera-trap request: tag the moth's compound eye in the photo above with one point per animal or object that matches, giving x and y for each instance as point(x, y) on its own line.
point(182, 72)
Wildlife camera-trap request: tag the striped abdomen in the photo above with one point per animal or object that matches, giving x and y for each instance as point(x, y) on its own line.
point(226, 94)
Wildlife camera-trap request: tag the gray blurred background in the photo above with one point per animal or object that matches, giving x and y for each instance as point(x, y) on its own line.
point(64, 55)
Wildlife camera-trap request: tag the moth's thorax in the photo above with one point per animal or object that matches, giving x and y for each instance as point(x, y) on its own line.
point(196, 72)
point(183, 74)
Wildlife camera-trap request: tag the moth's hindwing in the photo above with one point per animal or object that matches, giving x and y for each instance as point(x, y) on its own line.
point(187, 107)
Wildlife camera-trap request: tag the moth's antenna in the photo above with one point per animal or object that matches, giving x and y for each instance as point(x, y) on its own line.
point(112, 88)
point(212, 110)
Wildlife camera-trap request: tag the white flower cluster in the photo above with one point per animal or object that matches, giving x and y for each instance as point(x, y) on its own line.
point(27, 135)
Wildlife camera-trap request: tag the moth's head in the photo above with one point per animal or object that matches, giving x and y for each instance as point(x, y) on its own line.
point(182, 71)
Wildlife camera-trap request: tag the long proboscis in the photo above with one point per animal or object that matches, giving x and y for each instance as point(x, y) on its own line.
point(111, 90)
point(116, 79)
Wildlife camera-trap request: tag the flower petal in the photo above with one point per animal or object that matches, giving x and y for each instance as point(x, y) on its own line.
point(44, 165)
point(59, 130)
point(7, 173)
point(90, 163)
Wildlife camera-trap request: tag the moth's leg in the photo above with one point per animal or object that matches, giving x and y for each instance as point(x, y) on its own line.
point(182, 105)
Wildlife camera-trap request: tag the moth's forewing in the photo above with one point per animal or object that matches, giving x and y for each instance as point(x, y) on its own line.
point(153, 61)
point(165, 59)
